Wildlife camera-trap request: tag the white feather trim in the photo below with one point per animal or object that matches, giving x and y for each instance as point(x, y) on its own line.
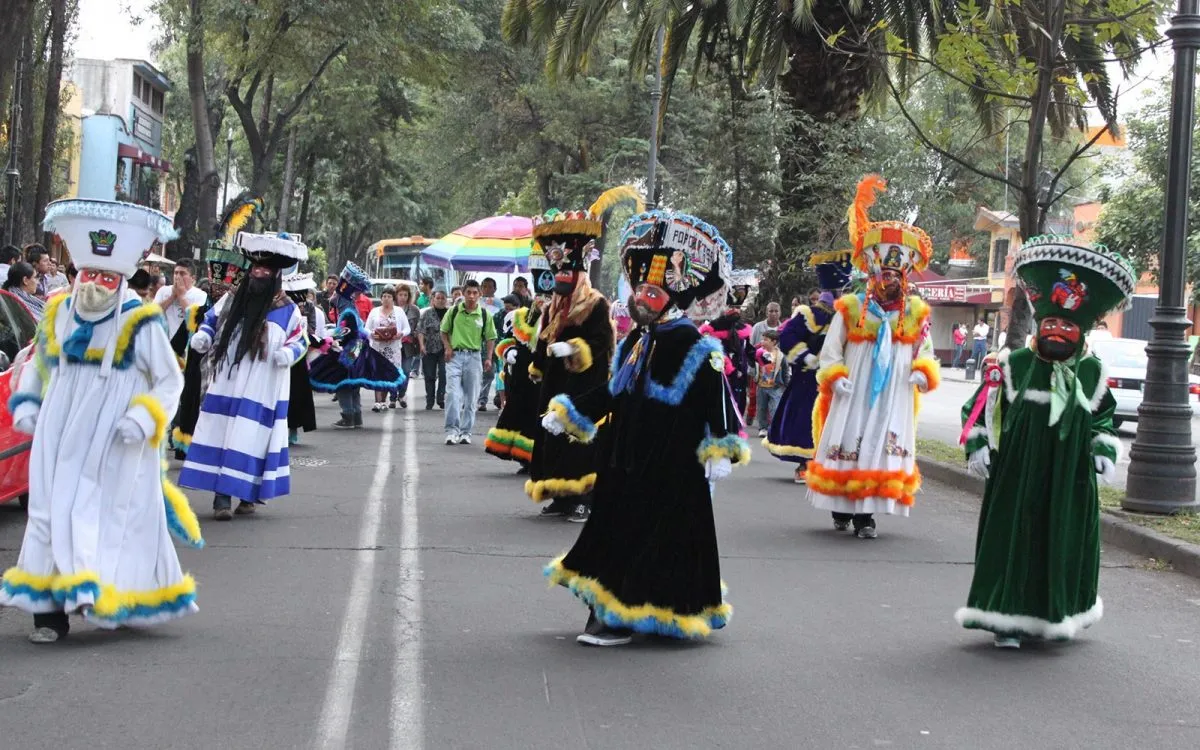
point(1032, 627)
point(977, 431)
point(1037, 396)
point(1103, 438)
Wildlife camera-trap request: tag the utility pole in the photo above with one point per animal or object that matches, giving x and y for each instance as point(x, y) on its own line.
point(1162, 472)
point(655, 116)
point(12, 174)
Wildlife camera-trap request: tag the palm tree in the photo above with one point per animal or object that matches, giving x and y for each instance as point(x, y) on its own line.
point(828, 56)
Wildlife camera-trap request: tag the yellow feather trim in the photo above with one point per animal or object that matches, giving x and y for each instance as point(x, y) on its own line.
point(693, 626)
point(616, 196)
point(545, 489)
point(180, 438)
point(111, 601)
point(787, 450)
point(132, 320)
point(810, 321)
point(193, 318)
point(535, 374)
point(157, 413)
point(522, 330)
point(183, 512)
point(581, 360)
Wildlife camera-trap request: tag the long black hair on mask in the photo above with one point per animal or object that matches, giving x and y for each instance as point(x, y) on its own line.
point(248, 310)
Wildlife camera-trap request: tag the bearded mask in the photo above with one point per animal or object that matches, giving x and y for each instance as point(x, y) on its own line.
point(1058, 339)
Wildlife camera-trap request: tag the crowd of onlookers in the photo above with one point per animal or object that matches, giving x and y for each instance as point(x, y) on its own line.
point(31, 275)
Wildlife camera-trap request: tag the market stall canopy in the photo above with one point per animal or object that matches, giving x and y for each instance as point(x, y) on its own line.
point(500, 244)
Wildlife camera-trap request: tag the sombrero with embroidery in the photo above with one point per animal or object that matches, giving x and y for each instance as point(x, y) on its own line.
point(107, 235)
point(833, 269)
point(565, 238)
point(880, 245)
point(1069, 278)
point(298, 282)
point(278, 251)
point(680, 253)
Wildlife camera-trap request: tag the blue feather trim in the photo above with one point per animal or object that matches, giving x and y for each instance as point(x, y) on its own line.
point(697, 357)
point(23, 398)
point(577, 425)
point(374, 385)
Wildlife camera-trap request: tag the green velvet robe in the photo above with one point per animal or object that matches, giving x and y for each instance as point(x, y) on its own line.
point(1037, 557)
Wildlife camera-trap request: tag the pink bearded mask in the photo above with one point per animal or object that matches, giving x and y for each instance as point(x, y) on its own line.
point(97, 290)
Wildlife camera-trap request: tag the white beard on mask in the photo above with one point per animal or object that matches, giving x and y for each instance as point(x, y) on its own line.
point(93, 298)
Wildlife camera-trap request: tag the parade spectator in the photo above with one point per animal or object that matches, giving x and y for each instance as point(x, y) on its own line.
point(327, 299)
point(38, 257)
point(979, 344)
point(520, 287)
point(487, 295)
point(772, 323)
point(960, 343)
point(9, 254)
point(509, 303)
point(21, 282)
point(364, 304)
point(412, 353)
point(426, 296)
point(72, 274)
point(387, 326)
point(770, 375)
point(139, 282)
point(181, 295)
point(468, 336)
point(429, 341)
point(456, 294)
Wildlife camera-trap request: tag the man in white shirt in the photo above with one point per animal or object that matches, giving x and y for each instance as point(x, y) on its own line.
point(979, 345)
point(177, 298)
point(772, 323)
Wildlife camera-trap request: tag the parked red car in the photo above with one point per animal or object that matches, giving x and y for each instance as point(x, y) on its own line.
point(17, 327)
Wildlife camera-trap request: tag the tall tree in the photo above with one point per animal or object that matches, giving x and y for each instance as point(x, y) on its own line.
point(61, 12)
point(15, 14)
point(207, 181)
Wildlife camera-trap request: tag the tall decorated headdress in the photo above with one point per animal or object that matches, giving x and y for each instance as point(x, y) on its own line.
point(883, 245)
point(1070, 278)
point(833, 270)
point(294, 281)
point(277, 251)
point(107, 235)
point(567, 239)
point(224, 264)
point(680, 253)
point(352, 279)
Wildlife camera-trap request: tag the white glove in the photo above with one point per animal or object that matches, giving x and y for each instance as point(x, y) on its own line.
point(510, 356)
point(843, 386)
point(811, 361)
point(978, 463)
point(552, 425)
point(561, 349)
point(129, 431)
point(1106, 469)
point(716, 469)
point(201, 341)
point(282, 358)
point(26, 424)
point(920, 381)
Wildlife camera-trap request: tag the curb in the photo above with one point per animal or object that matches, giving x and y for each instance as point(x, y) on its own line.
point(1115, 527)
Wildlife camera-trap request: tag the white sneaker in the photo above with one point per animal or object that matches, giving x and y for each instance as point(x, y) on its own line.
point(762, 433)
point(867, 532)
point(604, 637)
point(43, 635)
point(452, 440)
point(464, 439)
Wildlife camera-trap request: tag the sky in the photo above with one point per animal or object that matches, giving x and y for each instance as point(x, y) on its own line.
point(106, 30)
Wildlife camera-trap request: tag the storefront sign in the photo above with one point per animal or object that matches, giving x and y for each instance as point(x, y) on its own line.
point(944, 292)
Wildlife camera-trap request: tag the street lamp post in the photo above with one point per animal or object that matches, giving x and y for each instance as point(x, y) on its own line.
point(228, 160)
point(1162, 473)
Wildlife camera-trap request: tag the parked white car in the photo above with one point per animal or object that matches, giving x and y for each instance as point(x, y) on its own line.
point(1125, 360)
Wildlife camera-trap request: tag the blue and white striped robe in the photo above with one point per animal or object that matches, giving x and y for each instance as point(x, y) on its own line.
point(240, 446)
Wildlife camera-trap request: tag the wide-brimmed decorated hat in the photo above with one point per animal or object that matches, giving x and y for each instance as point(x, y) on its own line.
point(833, 269)
point(107, 235)
point(566, 238)
point(278, 251)
point(1070, 278)
point(680, 253)
point(298, 282)
point(352, 279)
point(883, 245)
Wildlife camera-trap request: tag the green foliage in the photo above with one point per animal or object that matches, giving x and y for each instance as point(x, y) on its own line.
point(1133, 218)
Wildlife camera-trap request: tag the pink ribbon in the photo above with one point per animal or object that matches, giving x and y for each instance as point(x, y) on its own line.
point(992, 375)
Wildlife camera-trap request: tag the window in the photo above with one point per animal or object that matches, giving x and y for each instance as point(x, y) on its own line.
point(999, 255)
point(157, 102)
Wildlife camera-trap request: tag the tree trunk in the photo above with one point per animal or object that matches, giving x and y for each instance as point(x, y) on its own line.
point(264, 114)
point(25, 230)
point(189, 207)
point(289, 182)
point(45, 178)
point(310, 162)
point(208, 181)
point(15, 14)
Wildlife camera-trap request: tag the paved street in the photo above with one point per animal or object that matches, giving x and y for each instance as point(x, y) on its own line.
point(395, 600)
point(941, 418)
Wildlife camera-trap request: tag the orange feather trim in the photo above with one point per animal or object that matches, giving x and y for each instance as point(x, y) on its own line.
point(859, 484)
point(931, 369)
point(859, 214)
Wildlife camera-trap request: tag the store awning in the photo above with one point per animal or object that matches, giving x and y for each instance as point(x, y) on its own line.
point(125, 151)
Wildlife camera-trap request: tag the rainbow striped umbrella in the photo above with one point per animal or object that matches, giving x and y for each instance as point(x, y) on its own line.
point(500, 244)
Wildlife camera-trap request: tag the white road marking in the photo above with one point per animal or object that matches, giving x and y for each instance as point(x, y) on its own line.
point(334, 724)
point(408, 719)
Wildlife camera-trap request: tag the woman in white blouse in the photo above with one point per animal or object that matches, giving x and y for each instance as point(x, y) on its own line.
point(387, 326)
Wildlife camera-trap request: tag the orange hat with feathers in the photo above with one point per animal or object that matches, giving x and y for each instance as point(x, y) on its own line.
point(880, 245)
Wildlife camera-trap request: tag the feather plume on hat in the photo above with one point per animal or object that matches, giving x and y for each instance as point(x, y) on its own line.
point(237, 215)
point(868, 187)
